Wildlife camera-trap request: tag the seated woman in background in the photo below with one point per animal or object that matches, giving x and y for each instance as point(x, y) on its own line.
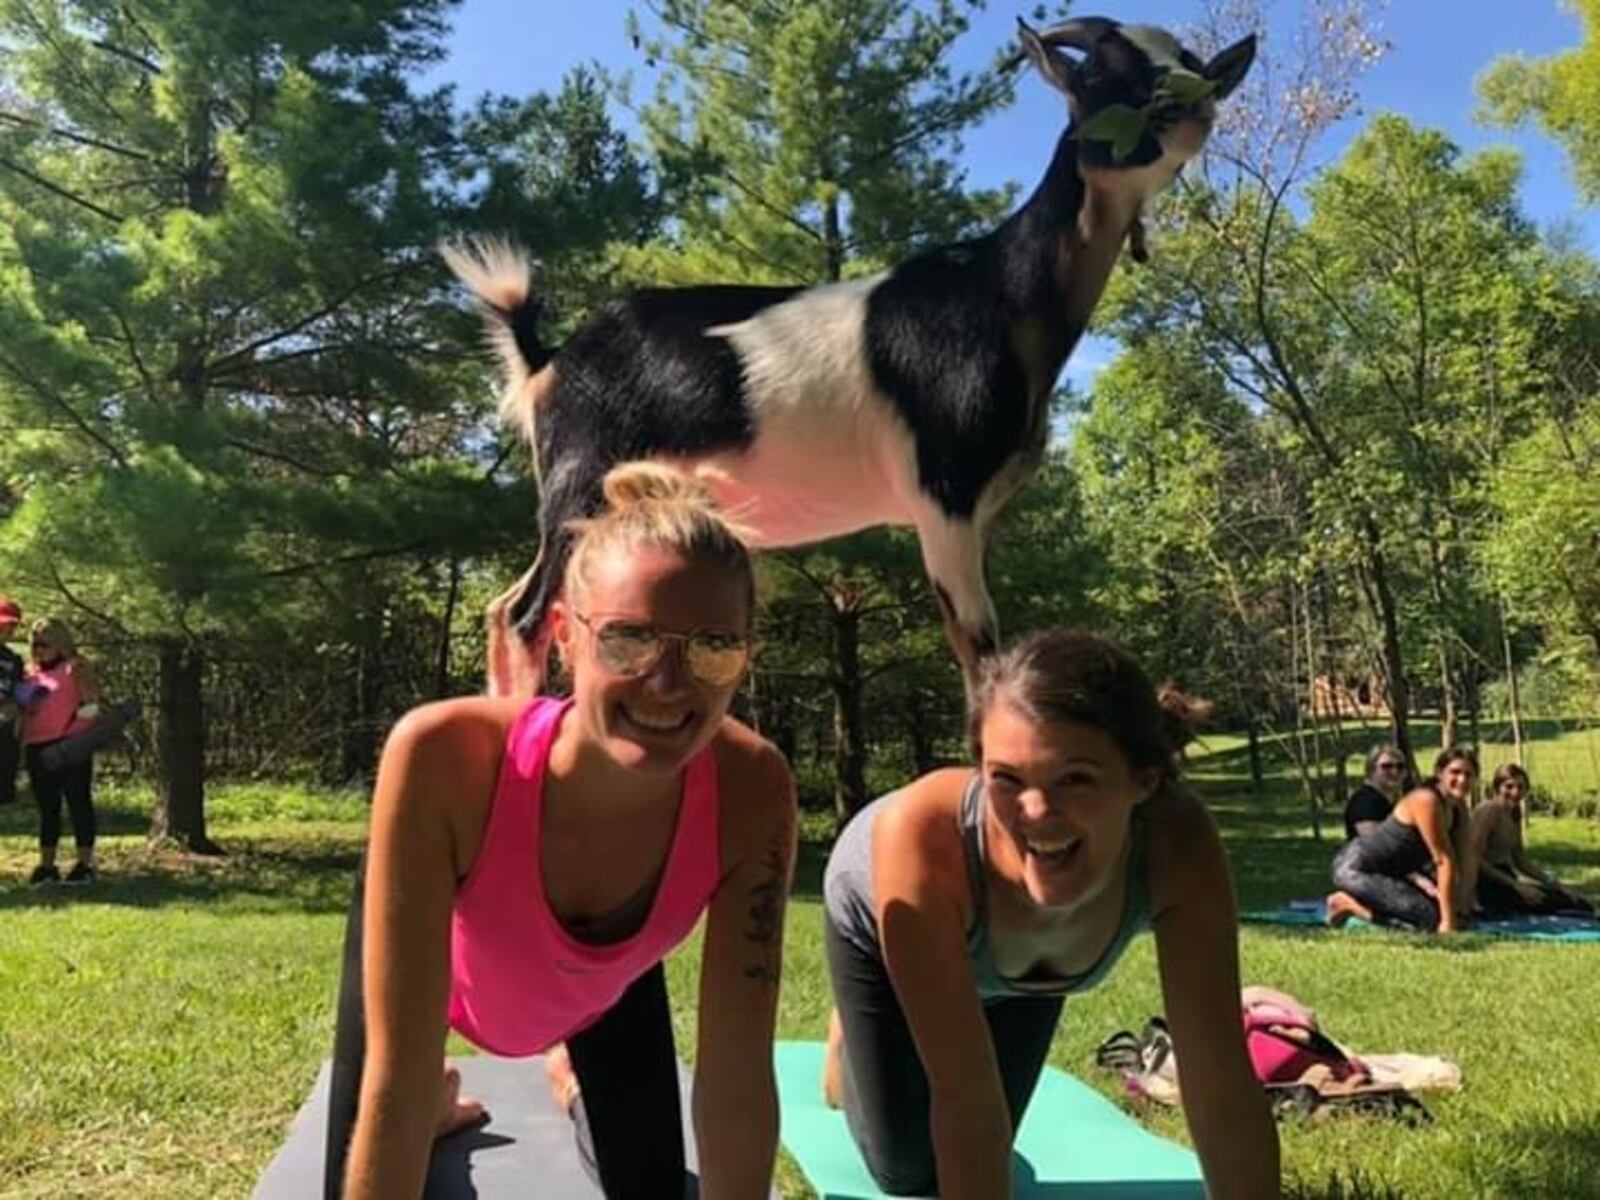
point(1414, 868)
point(963, 909)
point(1370, 803)
point(1508, 880)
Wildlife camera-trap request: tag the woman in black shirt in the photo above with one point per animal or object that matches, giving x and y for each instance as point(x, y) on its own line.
point(1370, 803)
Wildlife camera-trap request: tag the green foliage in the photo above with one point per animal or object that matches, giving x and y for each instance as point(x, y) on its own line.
point(1543, 551)
point(1556, 92)
point(801, 142)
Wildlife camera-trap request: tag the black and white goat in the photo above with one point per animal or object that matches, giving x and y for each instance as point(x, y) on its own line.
point(918, 397)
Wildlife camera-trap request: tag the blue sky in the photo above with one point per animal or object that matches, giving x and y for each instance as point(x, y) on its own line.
point(1439, 47)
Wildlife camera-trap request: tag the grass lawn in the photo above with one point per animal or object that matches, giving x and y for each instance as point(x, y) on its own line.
point(158, 1030)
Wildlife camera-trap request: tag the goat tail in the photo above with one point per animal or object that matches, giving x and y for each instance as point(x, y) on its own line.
point(498, 273)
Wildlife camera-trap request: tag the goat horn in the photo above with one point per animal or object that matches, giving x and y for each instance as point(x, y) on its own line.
point(1080, 33)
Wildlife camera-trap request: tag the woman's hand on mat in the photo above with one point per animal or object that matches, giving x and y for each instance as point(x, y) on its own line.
point(456, 1112)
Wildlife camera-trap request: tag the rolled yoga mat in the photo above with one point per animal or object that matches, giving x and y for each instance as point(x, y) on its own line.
point(525, 1149)
point(1555, 927)
point(1074, 1143)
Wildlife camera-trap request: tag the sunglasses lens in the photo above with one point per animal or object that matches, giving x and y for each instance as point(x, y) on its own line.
point(717, 658)
point(625, 649)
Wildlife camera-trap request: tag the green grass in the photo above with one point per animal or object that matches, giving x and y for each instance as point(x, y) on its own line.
point(158, 1031)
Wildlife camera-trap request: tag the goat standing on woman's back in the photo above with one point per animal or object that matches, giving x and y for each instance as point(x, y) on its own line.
point(916, 397)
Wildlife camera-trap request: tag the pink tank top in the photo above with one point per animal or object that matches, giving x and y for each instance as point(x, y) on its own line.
point(519, 981)
point(54, 714)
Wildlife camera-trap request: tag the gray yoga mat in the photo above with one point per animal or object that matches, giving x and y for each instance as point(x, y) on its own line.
point(526, 1149)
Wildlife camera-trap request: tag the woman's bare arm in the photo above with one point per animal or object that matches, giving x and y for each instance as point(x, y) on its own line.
point(1428, 813)
point(919, 885)
point(735, 1092)
point(1197, 945)
point(437, 757)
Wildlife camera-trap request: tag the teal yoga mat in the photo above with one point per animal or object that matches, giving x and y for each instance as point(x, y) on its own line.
point(1074, 1144)
point(1552, 928)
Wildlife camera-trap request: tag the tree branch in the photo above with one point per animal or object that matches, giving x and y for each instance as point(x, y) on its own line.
point(55, 189)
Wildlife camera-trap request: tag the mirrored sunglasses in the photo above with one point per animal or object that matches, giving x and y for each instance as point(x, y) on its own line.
point(714, 657)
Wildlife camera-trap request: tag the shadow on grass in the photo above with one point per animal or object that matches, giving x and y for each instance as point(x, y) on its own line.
point(1339, 1186)
point(255, 878)
point(1466, 942)
point(21, 818)
point(1548, 1156)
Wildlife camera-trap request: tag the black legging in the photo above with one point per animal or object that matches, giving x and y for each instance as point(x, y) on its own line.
point(75, 782)
point(1501, 899)
point(1389, 896)
point(10, 759)
point(628, 1118)
point(886, 1100)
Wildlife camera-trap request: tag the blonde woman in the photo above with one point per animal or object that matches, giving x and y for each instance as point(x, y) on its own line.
point(532, 862)
point(64, 700)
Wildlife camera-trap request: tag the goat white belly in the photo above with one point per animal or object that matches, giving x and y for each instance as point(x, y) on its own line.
point(788, 493)
point(831, 454)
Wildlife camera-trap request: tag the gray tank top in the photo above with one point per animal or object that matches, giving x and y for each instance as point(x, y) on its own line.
point(847, 899)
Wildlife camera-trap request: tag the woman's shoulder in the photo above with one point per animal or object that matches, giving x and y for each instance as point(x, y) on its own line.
point(462, 739)
point(755, 775)
point(1184, 845)
point(920, 818)
point(745, 758)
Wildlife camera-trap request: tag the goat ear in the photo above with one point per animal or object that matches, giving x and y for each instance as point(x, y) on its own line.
point(1058, 70)
point(1227, 69)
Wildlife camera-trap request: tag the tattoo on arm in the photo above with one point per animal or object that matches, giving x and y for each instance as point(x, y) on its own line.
point(765, 929)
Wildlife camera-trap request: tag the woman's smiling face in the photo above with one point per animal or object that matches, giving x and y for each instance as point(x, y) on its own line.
point(661, 717)
point(1062, 792)
point(1455, 778)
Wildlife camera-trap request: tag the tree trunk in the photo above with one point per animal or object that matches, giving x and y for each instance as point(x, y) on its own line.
point(849, 740)
point(441, 673)
point(1391, 658)
point(923, 756)
point(358, 744)
point(832, 239)
point(1258, 777)
point(1449, 709)
point(181, 747)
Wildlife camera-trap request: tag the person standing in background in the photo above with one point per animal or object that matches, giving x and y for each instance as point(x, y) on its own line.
point(68, 702)
point(11, 671)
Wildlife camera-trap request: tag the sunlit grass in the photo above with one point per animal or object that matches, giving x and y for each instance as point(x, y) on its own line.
point(158, 1031)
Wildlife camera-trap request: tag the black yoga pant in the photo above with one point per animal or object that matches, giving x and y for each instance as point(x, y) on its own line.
point(74, 783)
point(1496, 898)
point(886, 1101)
point(10, 759)
point(1390, 897)
point(628, 1118)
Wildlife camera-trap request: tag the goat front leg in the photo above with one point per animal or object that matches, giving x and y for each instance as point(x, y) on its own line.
point(952, 553)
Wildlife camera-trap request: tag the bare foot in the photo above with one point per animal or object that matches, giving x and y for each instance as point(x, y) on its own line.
point(1341, 906)
point(563, 1079)
point(832, 1082)
point(456, 1111)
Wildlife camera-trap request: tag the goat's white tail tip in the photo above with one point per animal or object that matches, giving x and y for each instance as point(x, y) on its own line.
point(496, 270)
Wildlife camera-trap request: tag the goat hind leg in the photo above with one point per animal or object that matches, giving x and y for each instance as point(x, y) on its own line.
point(516, 664)
point(519, 630)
